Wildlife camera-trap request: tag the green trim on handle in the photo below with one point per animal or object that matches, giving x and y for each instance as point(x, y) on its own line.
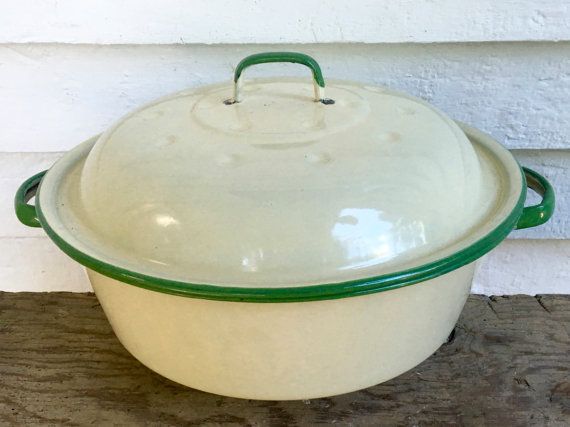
point(537, 214)
point(25, 212)
point(295, 57)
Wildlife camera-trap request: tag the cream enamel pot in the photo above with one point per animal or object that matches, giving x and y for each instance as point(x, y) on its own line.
point(260, 240)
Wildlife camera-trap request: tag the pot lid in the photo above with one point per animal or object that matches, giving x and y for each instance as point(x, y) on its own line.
point(269, 183)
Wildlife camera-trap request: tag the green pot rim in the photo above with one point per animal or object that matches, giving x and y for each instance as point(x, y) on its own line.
point(317, 292)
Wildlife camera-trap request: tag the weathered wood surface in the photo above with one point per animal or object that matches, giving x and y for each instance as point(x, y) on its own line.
point(508, 364)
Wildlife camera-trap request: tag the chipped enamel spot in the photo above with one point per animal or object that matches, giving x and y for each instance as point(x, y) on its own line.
point(167, 140)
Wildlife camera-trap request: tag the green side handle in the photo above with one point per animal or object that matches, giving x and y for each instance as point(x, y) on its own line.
point(25, 212)
point(537, 214)
point(294, 57)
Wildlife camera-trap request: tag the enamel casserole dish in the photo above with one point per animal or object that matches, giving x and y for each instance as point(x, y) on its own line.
point(262, 239)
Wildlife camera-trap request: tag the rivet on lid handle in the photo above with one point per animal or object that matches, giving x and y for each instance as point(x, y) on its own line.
point(294, 57)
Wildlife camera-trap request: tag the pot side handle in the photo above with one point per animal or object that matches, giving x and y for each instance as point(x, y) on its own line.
point(25, 212)
point(537, 214)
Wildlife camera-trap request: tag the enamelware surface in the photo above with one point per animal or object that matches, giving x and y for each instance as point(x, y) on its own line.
point(62, 211)
point(272, 233)
point(276, 351)
point(376, 183)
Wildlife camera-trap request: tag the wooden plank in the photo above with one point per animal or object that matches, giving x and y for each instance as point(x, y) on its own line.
point(60, 95)
point(508, 364)
point(276, 21)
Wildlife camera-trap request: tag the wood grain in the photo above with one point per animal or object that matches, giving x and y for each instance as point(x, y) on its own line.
point(507, 365)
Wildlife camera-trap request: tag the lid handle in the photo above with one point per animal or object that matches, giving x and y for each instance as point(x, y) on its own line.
point(295, 57)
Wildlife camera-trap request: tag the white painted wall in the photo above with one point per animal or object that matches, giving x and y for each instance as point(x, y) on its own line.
point(70, 69)
point(278, 21)
point(519, 92)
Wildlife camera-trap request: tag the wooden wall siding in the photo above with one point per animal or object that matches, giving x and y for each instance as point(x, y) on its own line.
point(277, 21)
point(518, 92)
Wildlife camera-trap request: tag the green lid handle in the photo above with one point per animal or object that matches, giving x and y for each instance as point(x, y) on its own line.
point(537, 214)
point(295, 57)
point(25, 212)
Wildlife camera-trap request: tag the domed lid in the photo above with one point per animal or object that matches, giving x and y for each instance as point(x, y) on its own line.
point(271, 184)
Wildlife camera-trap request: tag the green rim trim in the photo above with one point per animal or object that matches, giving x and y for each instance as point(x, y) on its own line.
point(295, 57)
point(537, 214)
point(302, 293)
point(25, 212)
